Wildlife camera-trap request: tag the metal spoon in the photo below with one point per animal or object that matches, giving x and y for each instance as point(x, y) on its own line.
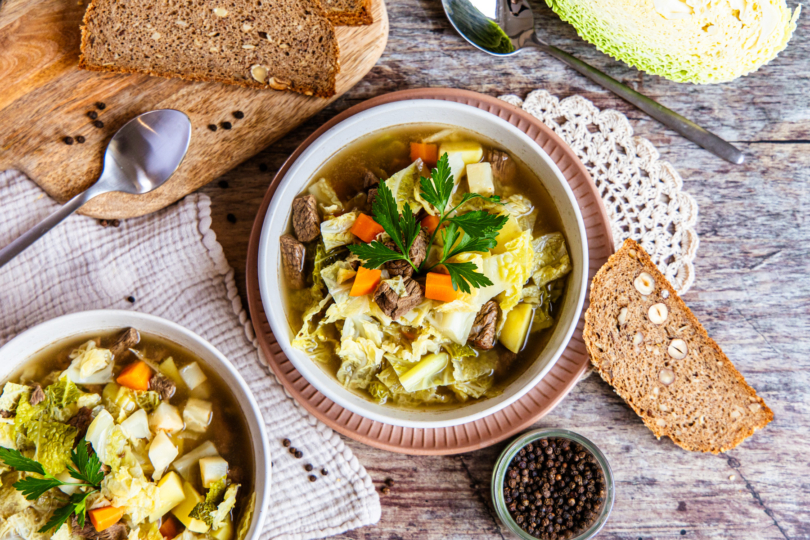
point(503, 27)
point(141, 156)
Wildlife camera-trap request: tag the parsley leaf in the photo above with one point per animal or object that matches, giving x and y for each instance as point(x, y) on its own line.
point(438, 189)
point(33, 488)
point(375, 254)
point(89, 466)
point(386, 214)
point(480, 223)
point(59, 517)
point(15, 460)
point(464, 274)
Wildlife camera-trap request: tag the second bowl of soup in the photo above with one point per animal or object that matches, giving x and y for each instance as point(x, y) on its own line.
point(423, 263)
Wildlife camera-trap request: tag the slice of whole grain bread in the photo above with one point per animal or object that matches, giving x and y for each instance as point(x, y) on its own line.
point(348, 12)
point(283, 44)
point(657, 356)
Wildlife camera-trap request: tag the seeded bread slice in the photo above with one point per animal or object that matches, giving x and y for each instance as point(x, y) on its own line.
point(348, 12)
point(283, 45)
point(658, 357)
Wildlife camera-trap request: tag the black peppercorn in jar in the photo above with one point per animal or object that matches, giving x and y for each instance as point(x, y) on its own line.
point(553, 484)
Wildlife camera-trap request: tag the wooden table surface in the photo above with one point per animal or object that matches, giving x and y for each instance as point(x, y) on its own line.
point(752, 291)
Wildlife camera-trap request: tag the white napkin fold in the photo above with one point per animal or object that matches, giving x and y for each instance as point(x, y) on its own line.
point(173, 266)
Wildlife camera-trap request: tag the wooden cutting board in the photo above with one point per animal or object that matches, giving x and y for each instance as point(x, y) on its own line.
point(44, 97)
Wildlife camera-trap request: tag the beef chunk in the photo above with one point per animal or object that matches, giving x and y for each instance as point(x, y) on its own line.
point(372, 194)
point(37, 395)
point(292, 260)
point(482, 334)
point(417, 254)
point(163, 386)
point(503, 166)
point(81, 421)
point(114, 532)
point(6, 414)
point(306, 220)
point(370, 180)
point(124, 341)
point(390, 302)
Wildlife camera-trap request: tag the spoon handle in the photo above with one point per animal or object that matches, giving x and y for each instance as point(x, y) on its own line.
point(671, 119)
point(37, 231)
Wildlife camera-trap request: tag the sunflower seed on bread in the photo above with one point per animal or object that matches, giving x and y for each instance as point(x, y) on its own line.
point(648, 345)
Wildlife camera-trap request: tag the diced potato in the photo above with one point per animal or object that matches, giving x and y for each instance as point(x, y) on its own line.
point(182, 510)
point(169, 368)
point(184, 464)
point(479, 179)
point(166, 418)
point(98, 433)
point(170, 490)
point(225, 531)
point(212, 469)
point(204, 391)
point(470, 151)
point(516, 327)
point(193, 375)
point(64, 476)
point(137, 425)
point(197, 414)
point(161, 453)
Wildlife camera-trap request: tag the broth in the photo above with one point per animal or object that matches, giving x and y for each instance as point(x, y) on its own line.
point(384, 153)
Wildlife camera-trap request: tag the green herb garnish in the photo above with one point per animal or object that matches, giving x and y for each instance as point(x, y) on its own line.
point(87, 471)
point(470, 232)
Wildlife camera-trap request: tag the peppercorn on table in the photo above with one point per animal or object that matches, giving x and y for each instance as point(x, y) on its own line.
point(750, 291)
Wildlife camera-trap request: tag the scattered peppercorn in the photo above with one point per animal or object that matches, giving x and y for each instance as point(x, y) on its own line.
point(324, 472)
point(223, 184)
point(683, 532)
point(92, 114)
point(231, 218)
point(308, 467)
point(389, 482)
point(554, 488)
point(68, 140)
point(226, 125)
point(238, 115)
point(99, 124)
point(286, 443)
point(293, 450)
point(299, 454)
point(131, 299)
point(101, 105)
point(80, 139)
point(263, 167)
point(312, 477)
point(385, 490)
point(212, 127)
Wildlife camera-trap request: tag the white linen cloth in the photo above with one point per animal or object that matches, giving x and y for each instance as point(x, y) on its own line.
point(172, 265)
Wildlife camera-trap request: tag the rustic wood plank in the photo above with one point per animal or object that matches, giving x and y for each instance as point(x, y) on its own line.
point(752, 292)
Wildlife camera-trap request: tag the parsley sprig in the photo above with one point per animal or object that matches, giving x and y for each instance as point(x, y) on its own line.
point(460, 233)
point(87, 471)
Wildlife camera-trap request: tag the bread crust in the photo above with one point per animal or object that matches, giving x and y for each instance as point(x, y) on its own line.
point(349, 18)
point(294, 87)
point(599, 356)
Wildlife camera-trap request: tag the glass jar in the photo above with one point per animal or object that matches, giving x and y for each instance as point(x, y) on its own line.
point(509, 453)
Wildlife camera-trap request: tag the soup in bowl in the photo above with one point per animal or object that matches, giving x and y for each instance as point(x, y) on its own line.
point(430, 271)
point(121, 432)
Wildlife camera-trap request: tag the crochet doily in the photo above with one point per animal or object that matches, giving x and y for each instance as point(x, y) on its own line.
point(642, 195)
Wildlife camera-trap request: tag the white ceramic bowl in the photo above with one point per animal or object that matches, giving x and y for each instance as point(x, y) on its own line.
point(398, 114)
point(30, 342)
